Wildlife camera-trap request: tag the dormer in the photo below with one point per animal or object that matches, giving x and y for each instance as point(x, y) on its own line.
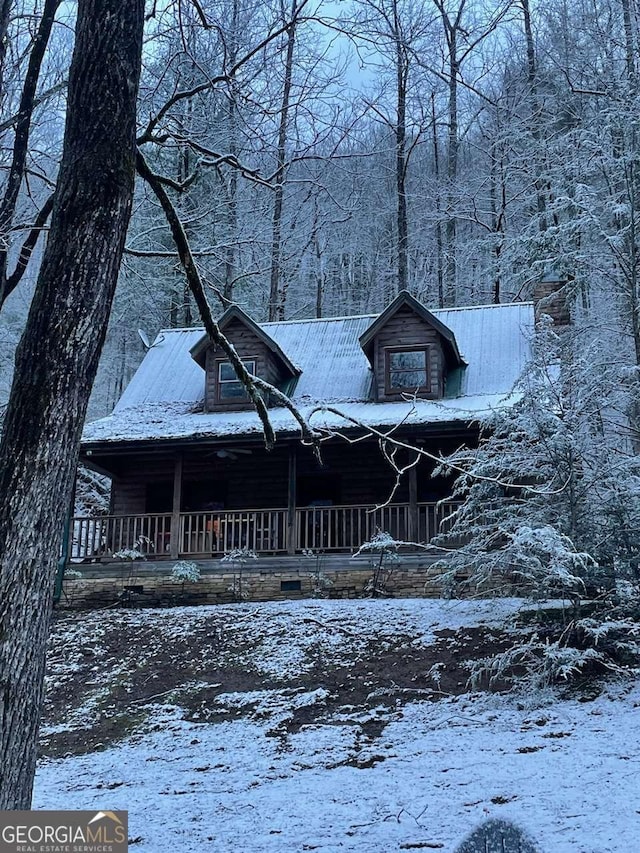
point(410, 352)
point(260, 354)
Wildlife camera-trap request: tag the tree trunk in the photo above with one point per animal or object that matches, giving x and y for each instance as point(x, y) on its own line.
point(535, 122)
point(436, 171)
point(231, 188)
point(19, 156)
point(56, 362)
point(276, 303)
point(451, 260)
point(629, 43)
point(5, 18)
point(401, 155)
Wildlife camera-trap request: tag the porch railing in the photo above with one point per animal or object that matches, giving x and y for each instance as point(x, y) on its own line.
point(111, 534)
point(261, 530)
point(330, 528)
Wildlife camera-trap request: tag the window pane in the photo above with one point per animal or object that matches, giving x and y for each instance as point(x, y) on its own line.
point(227, 373)
point(231, 391)
point(408, 360)
point(408, 379)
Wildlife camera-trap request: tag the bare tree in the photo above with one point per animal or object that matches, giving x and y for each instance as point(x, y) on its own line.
point(57, 359)
point(21, 126)
point(276, 308)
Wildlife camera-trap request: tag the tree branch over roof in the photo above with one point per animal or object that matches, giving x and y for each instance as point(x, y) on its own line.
point(387, 440)
point(252, 384)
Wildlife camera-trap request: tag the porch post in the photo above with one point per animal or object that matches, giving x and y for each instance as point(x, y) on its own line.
point(291, 501)
point(413, 505)
point(177, 502)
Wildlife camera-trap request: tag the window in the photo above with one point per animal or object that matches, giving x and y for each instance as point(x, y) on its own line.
point(407, 370)
point(230, 389)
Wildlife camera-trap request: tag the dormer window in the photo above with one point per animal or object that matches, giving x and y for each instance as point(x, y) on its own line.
point(230, 389)
point(260, 354)
point(406, 370)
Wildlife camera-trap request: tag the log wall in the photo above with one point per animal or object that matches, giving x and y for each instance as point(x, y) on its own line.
point(259, 480)
point(405, 328)
point(248, 346)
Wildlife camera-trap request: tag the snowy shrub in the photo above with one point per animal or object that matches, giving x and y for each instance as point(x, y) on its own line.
point(617, 638)
point(129, 554)
point(237, 591)
point(535, 664)
point(380, 542)
point(321, 583)
point(382, 548)
point(547, 561)
point(72, 574)
point(237, 558)
point(185, 570)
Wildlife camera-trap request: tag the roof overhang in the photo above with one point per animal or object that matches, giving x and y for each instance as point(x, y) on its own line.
point(92, 452)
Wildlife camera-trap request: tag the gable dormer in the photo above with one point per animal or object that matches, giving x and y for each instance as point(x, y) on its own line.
point(410, 351)
point(260, 354)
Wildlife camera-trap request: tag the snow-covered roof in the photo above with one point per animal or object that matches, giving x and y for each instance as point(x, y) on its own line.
point(164, 399)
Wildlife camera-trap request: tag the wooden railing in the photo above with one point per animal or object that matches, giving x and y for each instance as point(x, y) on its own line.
point(330, 528)
point(345, 528)
point(112, 534)
point(260, 530)
point(435, 518)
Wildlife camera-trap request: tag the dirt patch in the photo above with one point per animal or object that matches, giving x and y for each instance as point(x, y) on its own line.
point(397, 674)
point(106, 674)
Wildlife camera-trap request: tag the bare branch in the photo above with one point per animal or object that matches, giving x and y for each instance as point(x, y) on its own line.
point(389, 439)
point(22, 130)
point(54, 90)
point(148, 134)
point(252, 384)
point(27, 250)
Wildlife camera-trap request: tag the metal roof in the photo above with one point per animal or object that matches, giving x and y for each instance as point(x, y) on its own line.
point(494, 341)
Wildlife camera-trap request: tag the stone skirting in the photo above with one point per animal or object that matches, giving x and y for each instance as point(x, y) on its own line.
point(266, 579)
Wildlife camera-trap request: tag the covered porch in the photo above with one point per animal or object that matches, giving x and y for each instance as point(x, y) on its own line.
point(205, 499)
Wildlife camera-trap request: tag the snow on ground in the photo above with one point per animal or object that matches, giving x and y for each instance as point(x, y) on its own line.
point(422, 775)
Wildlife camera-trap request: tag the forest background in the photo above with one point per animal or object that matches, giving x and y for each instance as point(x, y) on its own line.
point(458, 149)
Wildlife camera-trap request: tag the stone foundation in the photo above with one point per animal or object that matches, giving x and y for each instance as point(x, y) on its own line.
point(267, 579)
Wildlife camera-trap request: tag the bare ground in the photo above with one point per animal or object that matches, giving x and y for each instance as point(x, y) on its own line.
point(108, 670)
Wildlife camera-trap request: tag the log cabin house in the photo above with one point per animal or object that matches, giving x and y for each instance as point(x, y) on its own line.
point(184, 449)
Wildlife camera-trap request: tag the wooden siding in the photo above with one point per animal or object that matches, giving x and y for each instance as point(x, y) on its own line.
point(407, 329)
point(359, 471)
point(257, 480)
point(129, 490)
point(358, 475)
point(248, 346)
